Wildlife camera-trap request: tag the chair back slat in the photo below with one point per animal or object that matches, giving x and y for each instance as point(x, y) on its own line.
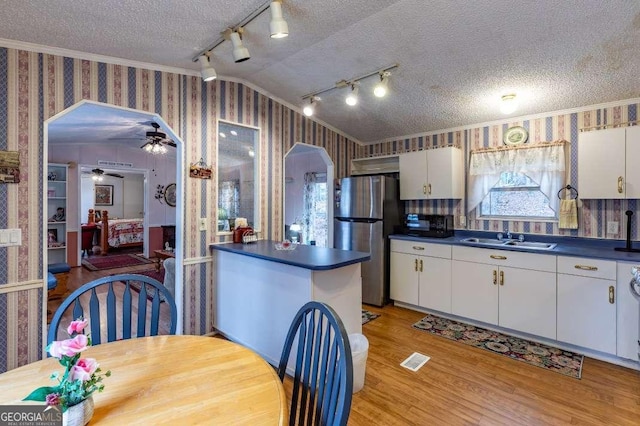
point(323, 373)
point(111, 314)
point(142, 310)
point(94, 312)
point(115, 285)
point(126, 311)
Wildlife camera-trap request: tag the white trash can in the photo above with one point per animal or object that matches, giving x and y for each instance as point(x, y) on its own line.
point(359, 351)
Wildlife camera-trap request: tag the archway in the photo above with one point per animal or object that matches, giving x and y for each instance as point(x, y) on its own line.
point(304, 165)
point(113, 136)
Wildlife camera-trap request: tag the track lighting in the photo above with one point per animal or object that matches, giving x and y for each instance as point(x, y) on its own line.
point(240, 53)
point(278, 26)
point(380, 90)
point(508, 104)
point(309, 109)
point(352, 97)
point(207, 72)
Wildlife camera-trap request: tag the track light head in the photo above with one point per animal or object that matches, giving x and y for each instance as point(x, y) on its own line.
point(309, 109)
point(352, 97)
point(240, 53)
point(207, 72)
point(380, 90)
point(278, 26)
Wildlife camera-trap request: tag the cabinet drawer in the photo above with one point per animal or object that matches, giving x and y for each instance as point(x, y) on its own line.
point(537, 262)
point(584, 267)
point(421, 249)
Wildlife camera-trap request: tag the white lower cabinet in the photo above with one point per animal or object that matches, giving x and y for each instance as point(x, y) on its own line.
point(511, 289)
point(421, 274)
point(628, 314)
point(587, 303)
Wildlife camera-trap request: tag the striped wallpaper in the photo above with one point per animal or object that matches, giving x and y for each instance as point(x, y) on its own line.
point(36, 86)
point(592, 214)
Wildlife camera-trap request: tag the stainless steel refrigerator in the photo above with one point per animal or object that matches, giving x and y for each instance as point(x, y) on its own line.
point(367, 210)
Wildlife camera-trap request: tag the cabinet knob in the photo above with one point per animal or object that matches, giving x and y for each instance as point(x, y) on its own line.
point(586, 267)
point(612, 298)
point(495, 277)
point(619, 184)
point(418, 248)
point(501, 277)
point(497, 257)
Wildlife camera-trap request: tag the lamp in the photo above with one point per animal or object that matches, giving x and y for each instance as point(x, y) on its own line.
point(278, 26)
point(380, 90)
point(154, 147)
point(240, 53)
point(508, 104)
point(207, 72)
point(352, 97)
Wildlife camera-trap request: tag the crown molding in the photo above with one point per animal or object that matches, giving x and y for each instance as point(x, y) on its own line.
point(32, 47)
point(511, 119)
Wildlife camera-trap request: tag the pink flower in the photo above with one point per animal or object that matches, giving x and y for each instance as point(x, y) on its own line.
point(83, 369)
point(52, 399)
point(69, 347)
point(77, 326)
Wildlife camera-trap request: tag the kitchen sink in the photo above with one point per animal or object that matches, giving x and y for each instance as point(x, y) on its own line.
point(494, 242)
point(531, 245)
point(487, 241)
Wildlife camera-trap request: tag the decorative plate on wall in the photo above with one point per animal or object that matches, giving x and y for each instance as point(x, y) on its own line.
point(515, 136)
point(170, 194)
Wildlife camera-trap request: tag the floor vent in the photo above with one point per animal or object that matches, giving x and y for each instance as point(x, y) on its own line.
point(415, 361)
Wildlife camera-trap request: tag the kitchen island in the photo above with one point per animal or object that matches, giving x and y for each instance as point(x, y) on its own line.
point(259, 289)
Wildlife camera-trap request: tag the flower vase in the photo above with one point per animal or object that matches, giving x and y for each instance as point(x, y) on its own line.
point(79, 414)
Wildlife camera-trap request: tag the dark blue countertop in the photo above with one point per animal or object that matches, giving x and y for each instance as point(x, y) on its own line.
point(308, 257)
point(566, 246)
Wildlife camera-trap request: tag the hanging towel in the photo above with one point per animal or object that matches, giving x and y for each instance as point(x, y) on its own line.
point(568, 214)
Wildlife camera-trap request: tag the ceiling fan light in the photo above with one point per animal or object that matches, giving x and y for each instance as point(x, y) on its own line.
point(278, 26)
point(509, 104)
point(352, 97)
point(240, 53)
point(207, 72)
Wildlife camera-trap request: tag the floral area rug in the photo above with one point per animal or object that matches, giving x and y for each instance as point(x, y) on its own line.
point(368, 316)
point(554, 359)
point(97, 263)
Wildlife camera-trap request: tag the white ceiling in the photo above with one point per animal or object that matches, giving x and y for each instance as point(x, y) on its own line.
point(457, 57)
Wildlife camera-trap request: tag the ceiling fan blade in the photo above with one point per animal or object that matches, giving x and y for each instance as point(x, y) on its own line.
point(116, 175)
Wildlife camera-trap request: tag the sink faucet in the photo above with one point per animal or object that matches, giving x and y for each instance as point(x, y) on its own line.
point(521, 237)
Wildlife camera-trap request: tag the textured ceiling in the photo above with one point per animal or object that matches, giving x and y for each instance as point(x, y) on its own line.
point(457, 57)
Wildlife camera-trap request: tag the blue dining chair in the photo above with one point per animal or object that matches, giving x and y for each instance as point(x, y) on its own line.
point(150, 292)
point(323, 376)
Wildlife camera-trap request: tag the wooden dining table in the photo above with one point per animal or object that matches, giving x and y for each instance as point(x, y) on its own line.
point(170, 380)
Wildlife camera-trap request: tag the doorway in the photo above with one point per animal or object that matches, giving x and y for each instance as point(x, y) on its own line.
point(308, 195)
point(91, 135)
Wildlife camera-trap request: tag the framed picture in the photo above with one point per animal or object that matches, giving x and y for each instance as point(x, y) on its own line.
point(104, 195)
point(170, 194)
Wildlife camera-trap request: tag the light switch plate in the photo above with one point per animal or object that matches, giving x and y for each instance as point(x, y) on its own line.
point(612, 227)
point(203, 223)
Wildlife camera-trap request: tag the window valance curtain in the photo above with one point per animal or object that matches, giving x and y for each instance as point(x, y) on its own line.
point(543, 163)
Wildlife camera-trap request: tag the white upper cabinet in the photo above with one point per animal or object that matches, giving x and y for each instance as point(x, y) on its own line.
point(432, 174)
point(605, 165)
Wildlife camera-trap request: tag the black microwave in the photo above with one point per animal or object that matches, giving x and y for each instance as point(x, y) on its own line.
point(428, 225)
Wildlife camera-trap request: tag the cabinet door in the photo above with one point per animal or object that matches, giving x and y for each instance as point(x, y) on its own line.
point(601, 163)
point(628, 312)
point(444, 173)
point(632, 171)
point(404, 278)
point(586, 317)
point(413, 175)
point(528, 301)
point(435, 283)
point(473, 293)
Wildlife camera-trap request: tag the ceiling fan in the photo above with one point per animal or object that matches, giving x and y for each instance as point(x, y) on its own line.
point(98, 174)
point(157, 140)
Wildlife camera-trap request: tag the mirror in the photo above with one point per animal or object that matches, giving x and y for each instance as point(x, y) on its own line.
point(238, 171)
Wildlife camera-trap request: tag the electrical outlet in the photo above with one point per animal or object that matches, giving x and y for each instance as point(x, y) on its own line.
point(612, 227)
point(203, 223)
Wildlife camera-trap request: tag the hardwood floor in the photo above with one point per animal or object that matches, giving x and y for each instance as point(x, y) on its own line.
point(462, 385)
